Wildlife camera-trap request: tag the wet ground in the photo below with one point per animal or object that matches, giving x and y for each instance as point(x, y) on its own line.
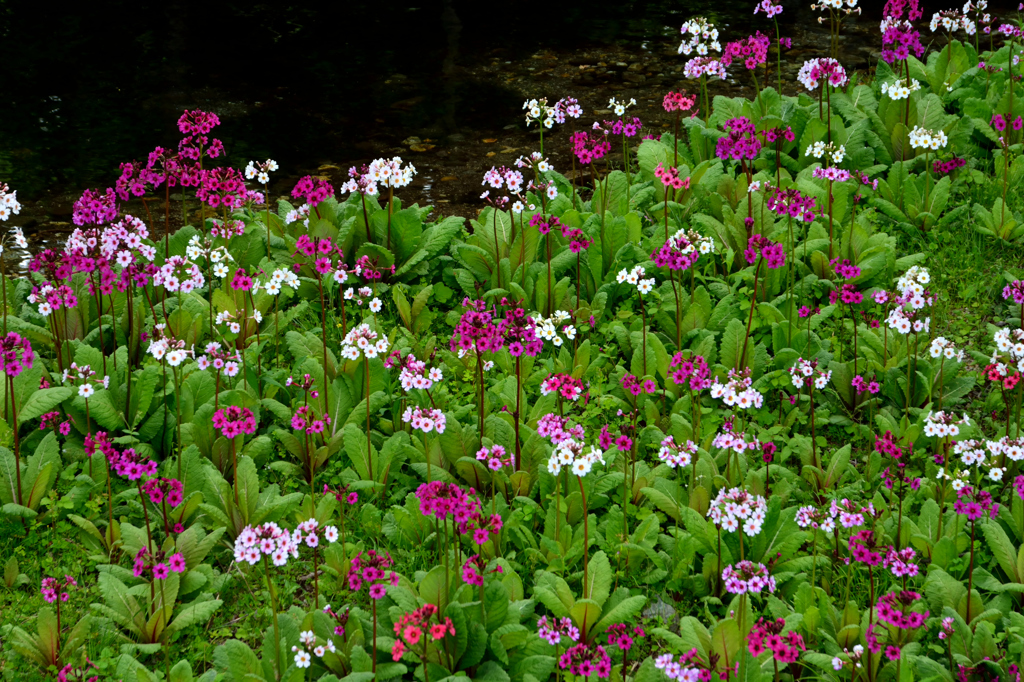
point(451, 103)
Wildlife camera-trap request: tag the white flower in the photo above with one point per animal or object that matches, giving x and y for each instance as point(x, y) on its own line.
point(302, 659)
point(375, 305)
point(86, 391)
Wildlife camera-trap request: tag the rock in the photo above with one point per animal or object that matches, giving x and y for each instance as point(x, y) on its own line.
point(660, 609)
point(635, 66)
point(455, 138)
point(409, 141)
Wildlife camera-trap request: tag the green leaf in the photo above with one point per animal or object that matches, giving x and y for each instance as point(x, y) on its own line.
point(43, 401)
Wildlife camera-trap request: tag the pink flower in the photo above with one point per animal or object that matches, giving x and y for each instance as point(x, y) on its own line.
point(177, 562)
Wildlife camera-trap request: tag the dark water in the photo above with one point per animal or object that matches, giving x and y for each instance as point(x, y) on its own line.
point(105, 82)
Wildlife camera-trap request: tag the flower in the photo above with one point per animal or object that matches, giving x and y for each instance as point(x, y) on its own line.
point(734, 506)
point(234, 421)
point(16, 354)
point(747, 577)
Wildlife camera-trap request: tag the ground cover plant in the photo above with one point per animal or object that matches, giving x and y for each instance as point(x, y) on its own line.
point(684, 411)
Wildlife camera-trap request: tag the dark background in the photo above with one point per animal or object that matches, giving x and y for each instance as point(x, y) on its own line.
point(91, 85)
point(105, 82)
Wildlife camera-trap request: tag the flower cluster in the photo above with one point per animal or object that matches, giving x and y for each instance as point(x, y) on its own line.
point(161, 490)
point(686, 669)
point(940, 346)
point(943, 424)
point(768, 8)
point(362, 341)
point(266, 540)
point(677, 455)
point(862, 546)
point(670, 177)
point(892, 610)
point(941, 167)
point(951, 21)
point(574, 454)
point(474, 569)
point(131, 464)
point(494, 456)
point(767, 635)
point(159, 565)
point(412, 627)
point(16, 354)
point(588, 147)
point(678, 101)
point(565, 385)
point(699, 36)
point(901, 563)
point(443, 499)
point(553, 427)
point(52, 589)
point(900, 88)
point(692, 372)
point(538, 111)
point(741, 143)
point(634, 387)
point(790, 202)
point(260, 171)
point(635, 277)
point(752, 50)
point(234, 421)
point(746, 577)
point(1014, 290)
point(585, 660)
point(93, 208)
point(372, 568)
point(773, 252)
point(812, 517)
point(735, 506)
point(548, 329)
point(737, 392)
point(425, 419)
point(622, 636)
point(921, 138)
point(306, 420)
point(85, 378)
point(312, 190)
point(822, 69)
point(803, 371)
point(974, 503)
point(551, 630)
point(682, 250)
point(700, 67)
point(9, 206)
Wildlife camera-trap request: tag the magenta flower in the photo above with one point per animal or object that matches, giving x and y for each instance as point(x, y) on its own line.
point(772, 252)
point(177, 562)
point(589, 147)
point(752, 50)
point(234, 421)
point(741, 143)
point(312, 190)
point(93, 208)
